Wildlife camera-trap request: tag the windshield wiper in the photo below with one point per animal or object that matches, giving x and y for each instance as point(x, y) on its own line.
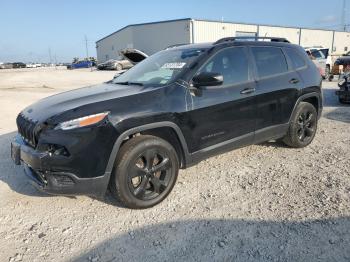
point(129, 83)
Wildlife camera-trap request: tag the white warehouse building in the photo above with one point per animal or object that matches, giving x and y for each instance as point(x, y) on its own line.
point(153, 37)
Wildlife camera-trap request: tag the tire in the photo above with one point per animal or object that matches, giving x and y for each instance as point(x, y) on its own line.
point(303, 126)
point(119, 67)
point(341, 100)
point(135, 183)
point(328, 74)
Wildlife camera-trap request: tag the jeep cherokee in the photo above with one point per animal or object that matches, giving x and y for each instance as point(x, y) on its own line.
point(172, 110)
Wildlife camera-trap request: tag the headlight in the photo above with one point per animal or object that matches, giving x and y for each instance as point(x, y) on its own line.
point(82, 121)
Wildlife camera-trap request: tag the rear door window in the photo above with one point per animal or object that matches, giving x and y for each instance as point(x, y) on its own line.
point(269, 61)
point(297, 60)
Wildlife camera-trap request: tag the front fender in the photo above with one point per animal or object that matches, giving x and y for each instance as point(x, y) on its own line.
point(139, 129)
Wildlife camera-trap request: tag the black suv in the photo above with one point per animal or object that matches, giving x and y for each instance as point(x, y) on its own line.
point(174, 109)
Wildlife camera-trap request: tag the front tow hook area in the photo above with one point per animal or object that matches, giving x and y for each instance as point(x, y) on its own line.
point(16, 153)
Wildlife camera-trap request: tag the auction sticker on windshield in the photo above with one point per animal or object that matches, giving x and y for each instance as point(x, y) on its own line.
point(177, 65)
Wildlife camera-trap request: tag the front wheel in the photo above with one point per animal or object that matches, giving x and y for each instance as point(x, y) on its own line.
point(303, 126)
point(119, 67)
point(145, 172)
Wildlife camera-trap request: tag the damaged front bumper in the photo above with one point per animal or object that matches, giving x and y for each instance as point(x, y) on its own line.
point(37, 167)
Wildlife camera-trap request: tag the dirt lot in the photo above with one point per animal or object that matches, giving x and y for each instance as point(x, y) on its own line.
point(260, 203)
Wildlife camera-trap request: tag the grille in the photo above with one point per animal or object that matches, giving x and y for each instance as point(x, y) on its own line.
point(26, 128)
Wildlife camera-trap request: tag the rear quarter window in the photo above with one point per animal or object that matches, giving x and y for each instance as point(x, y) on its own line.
point(297, 60)
point(269, 61)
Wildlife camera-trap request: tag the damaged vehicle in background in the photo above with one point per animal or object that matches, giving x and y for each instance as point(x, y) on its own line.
point(6, 66)
point(343, 63)
point(114, 64)
point(129, 58)
point(344, 89)
point(337, 64)
point(319, 55)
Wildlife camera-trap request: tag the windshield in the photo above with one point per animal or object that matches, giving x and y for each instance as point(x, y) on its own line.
point(317, 54)
point(161, 68)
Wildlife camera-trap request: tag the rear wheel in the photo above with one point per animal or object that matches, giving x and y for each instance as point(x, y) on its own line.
point(303, 126)
point(145, 172)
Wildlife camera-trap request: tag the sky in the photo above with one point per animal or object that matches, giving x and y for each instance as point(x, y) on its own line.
point(32, 29)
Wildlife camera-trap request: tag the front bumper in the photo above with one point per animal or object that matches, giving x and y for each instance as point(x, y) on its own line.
point(343, 94)
point(37, 167)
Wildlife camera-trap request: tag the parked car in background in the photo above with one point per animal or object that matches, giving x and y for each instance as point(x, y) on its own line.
point(18, 65)
point(80, 64)
point(129, 58)
point(319, 56)
point(6, 66)
point(31, 65)
point(344, 89)
point(114, 64)
point(343, 60)
point(337, 63)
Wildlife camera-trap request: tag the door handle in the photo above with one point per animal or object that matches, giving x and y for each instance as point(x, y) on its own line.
point(294, 81)
point(247, 91)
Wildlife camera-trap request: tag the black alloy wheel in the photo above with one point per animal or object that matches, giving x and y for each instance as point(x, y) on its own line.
point(149, 174)
point(302, 127)
point(306, 123)
point(145, 172)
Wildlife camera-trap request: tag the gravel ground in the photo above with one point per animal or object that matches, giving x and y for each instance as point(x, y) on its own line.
point(260, 203)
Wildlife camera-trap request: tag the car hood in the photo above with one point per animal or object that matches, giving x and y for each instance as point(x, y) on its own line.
point(133, 55)
point(76, 102)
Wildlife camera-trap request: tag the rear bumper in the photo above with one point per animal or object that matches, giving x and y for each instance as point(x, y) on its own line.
point(37, 168)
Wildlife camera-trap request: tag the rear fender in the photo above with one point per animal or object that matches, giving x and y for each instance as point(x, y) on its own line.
point(304, 97)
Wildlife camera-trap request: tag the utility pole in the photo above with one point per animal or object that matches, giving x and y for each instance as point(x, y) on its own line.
point(86, 46)
point(55, 62)
point(343, 16)
point(50, 56)
point(87, 50)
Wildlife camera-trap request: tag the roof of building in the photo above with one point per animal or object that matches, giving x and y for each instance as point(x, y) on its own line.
point(150, 23)
point(215, 21)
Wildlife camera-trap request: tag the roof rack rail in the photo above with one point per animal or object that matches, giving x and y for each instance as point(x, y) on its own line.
point(251, 38)
point(173, 46)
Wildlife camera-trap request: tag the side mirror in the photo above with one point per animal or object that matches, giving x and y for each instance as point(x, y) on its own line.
point(208, 79)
